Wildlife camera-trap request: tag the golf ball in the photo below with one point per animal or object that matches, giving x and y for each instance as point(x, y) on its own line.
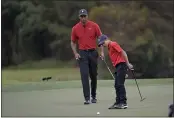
point(98, 113)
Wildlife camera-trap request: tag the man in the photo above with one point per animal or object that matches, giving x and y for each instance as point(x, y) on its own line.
point(86, 33)
point(120, 61)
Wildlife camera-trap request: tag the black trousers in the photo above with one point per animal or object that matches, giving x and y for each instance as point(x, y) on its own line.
point(88, 67)
point(120, 73)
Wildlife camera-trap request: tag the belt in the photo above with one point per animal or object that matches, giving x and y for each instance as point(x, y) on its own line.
point(89, 50)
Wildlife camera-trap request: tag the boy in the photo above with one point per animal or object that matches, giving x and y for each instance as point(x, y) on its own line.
point(121, 63)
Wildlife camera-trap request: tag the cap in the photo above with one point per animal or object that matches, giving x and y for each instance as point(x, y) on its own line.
point(83, 12)
point(101, 39)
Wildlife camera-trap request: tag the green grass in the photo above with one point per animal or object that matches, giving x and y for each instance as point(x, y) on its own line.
point(45, 63)
point(30, 86)
point(52, 99)
point(25, 94)
point(31, 79)
point(35, 75)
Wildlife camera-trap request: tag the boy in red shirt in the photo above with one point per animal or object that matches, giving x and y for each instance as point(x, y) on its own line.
point(121, 63)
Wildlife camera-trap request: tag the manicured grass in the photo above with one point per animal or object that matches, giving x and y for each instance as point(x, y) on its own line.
point(25, 94)
point(47, 99)
point(30, 86)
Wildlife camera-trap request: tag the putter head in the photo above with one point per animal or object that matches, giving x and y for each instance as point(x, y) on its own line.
point(142, 99)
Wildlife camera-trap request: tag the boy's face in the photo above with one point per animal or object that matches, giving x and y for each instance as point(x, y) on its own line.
point(104, 44)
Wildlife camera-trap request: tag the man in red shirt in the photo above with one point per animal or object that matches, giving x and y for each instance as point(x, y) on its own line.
point(121, 63)
point(86, 33)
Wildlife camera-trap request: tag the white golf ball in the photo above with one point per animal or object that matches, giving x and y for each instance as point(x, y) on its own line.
point(98, 113)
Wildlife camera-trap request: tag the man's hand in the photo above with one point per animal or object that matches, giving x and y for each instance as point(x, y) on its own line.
point(77, 56)
point(130, 66)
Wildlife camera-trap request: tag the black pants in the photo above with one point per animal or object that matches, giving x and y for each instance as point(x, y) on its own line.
point(88, 67)
point(121, 70)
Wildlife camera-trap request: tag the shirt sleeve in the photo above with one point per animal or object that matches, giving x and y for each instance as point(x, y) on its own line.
point(117, 47)
point(73, 35)
point(98, 31)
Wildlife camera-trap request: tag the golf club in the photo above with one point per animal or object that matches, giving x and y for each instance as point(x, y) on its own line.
point(109, 69)
point(132, 70)
point(133, 73)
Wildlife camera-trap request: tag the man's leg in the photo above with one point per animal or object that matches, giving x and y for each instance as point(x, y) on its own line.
point(93, 61)
point(84, 72)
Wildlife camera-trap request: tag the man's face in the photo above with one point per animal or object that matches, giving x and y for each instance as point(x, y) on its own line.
point(83, 18)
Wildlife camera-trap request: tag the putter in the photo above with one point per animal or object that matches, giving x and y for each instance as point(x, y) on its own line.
point(133, 73)
point(132, 70)
point(108, 69)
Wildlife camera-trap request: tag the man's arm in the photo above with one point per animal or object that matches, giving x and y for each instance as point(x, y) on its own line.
point(73, 43)
point(98, 33)
point(73, 46)
point(73, 40)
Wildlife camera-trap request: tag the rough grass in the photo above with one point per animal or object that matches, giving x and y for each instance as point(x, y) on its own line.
point(35, 75)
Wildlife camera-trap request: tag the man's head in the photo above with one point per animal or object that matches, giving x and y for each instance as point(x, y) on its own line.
point(103, 40)
point(83, 15)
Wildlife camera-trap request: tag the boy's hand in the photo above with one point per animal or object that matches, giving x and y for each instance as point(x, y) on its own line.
point(130, 66)
point(102, 55)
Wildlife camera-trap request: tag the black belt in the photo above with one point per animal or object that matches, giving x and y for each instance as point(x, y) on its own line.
point(89, 50)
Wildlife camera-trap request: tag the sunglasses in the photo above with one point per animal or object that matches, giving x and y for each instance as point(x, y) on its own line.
point(82, 16)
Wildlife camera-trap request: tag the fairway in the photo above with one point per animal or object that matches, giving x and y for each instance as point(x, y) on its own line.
point(65, 98)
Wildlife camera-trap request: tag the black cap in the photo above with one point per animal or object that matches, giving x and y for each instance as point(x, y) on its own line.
point(83, 12)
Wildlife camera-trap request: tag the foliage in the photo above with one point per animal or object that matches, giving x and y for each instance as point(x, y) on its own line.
point(132, 27)
point(35, 30)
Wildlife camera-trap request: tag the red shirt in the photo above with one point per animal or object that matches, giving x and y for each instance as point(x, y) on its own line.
point(86, 35)
point(115, 53)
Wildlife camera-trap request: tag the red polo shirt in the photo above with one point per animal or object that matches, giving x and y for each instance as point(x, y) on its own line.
point(86, 35)
point(115, 53)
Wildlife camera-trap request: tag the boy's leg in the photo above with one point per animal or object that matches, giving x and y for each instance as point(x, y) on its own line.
point(121, 100)
point(93, 61)
point(117, 90)
point(84, 72)
point(120, 80)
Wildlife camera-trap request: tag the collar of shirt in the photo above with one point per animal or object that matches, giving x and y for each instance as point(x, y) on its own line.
point(109, 45)
point(81, 24)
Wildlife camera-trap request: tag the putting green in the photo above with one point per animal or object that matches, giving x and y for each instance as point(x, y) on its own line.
point(35, 101)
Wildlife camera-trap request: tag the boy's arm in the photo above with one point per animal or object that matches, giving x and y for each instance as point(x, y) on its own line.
point(130, 66)
point(125, 56)
point(123, 53)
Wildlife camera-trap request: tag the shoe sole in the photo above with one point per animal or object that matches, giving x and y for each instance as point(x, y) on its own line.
point(86, 103)
point(93, 102)
point(118, 107)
